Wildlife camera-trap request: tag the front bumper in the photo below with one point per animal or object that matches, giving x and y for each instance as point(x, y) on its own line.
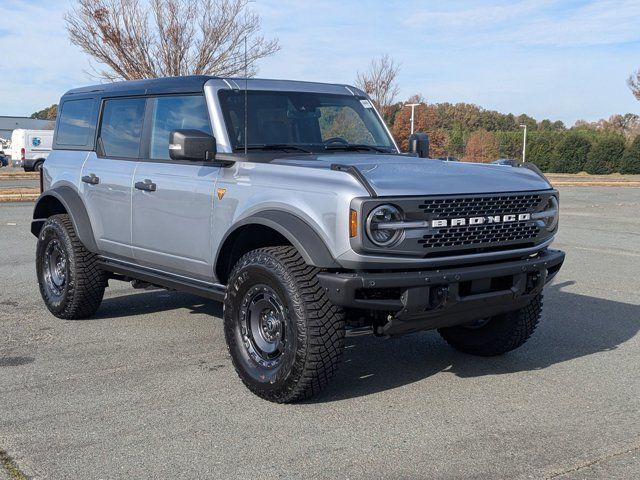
point(428, 299)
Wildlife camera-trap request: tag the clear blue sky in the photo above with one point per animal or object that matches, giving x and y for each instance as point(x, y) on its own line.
point(563, 60)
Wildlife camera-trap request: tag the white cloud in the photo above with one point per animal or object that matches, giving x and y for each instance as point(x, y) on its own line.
point(38, 62)
point(530, 22)
point(603, 22)
point(477, 15)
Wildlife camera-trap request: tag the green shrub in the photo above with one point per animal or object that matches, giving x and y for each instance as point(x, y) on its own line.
point(630, 163)
point(457, 142)
point(540, 148)
point(570, 154)
point(510, 144)
point(605, 156)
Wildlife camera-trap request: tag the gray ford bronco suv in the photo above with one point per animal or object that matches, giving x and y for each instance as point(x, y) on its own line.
point(291, 203)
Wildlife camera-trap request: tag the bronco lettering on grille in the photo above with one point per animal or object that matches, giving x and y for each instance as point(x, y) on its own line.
point(456, 222)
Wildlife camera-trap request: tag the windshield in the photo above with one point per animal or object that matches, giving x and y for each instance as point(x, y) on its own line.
point(303, 121)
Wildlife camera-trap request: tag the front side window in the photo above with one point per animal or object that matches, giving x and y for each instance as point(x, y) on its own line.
point(121, 127)
point(313, 121)
point(76, 126)
point(176, 113)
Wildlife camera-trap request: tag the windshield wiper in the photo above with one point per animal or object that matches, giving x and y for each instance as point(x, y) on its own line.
point(273, 146)
point(354, 147)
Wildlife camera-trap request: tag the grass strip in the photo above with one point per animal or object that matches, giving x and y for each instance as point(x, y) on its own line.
point(11, 467)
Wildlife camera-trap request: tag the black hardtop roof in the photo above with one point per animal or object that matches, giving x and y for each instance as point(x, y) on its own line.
point(193, 84)
point(186, 84)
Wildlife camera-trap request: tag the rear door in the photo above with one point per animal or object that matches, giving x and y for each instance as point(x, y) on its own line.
point(17, 144)
point(173, 201)
point(107, 175)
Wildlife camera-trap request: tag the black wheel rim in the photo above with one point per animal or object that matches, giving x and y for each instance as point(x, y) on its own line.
point(263, 325)
point(55, 267)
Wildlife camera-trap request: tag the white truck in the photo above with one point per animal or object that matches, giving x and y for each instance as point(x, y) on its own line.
point(30, 148)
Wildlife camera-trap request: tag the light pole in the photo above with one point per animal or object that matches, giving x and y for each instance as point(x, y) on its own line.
point(413, 109)
point(524, 143)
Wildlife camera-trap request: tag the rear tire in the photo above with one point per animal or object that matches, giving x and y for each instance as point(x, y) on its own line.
point(71, 283)
point(284, 336)
point(496, 335)
point(38, 166)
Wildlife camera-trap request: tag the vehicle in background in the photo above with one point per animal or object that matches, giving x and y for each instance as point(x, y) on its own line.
point(5, 147)
point(30, 148)
point(449, 159)
point(4, 162)
point(506, 162)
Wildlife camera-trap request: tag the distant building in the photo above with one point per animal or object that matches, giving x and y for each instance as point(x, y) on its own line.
point(9, 124)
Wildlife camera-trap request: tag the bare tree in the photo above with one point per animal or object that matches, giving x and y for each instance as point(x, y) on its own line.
point(416, 98)
point(379, 81)
point(158, 38)
point(634, 84)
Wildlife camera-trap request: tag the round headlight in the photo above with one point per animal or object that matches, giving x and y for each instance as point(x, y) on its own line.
point(554, 214)
point(376, 230)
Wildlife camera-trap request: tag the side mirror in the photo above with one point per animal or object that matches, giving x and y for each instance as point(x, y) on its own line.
point(419, 144)
point(192, 145)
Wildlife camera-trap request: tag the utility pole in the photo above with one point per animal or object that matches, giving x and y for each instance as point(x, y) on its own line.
point(524, 144)
point(413, 109)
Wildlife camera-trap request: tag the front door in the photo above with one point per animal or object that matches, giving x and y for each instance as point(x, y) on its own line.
point(172, 202)
point(107, 176)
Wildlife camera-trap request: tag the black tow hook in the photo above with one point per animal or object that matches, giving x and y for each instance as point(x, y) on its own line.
point(438, 297)
point(420, 299)
point(533, 282)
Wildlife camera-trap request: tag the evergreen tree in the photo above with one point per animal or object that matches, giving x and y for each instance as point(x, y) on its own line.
point(540, 149)
point(630, 163)
point(605, 156)
point(570, 155)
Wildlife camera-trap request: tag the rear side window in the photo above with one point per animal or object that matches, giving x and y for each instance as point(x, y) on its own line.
point(176, 113)
point(76, 124)
point(121, 127)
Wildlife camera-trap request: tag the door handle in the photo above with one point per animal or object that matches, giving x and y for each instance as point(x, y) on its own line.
point(147, 185)
point(91, 179)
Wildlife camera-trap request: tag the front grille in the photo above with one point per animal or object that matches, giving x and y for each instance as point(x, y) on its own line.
point(481, 205)
point(476, 235)
point(485, 236)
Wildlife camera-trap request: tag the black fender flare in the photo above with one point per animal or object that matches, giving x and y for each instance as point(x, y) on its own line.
point(299, 233)
point(75, 208)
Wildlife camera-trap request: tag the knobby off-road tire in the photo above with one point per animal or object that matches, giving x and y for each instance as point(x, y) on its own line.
point(499, 334)
point(284, 336)
point(71, 284)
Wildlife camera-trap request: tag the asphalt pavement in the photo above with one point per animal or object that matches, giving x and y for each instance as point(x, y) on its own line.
point(146, 388)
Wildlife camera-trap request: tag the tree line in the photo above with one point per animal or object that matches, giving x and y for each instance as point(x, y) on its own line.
point(473, 134)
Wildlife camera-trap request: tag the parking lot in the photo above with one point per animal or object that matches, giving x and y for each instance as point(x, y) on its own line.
point(146, 388)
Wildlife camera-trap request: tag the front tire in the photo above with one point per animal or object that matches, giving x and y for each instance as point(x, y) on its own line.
point(71, 283)
point(496, 335)
point(284, 336)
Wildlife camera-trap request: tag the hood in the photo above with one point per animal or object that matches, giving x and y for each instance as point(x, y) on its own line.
point(398, 175)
